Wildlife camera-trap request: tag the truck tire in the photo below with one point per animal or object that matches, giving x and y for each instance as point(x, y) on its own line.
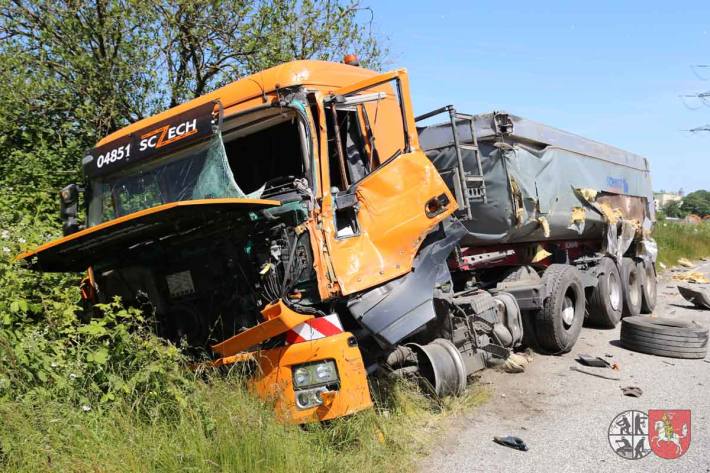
point(631, 282)
point(647, 270)
point(664, 337)
point(607, 299)
point(560, 320)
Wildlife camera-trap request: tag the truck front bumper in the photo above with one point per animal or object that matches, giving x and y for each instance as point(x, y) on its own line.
point(274, 383)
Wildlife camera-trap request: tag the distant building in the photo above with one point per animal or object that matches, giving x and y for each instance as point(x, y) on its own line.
point(661, 199)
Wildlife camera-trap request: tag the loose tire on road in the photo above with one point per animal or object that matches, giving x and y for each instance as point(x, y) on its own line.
point(664, 337)
point(607, 299)
point(631, 282)
point(647, 271)
point(560, 320)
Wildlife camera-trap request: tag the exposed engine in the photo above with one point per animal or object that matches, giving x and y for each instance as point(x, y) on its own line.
point(202, 290)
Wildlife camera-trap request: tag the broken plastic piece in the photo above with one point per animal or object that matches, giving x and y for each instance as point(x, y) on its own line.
point(512, 442)
point(632, 391)
point(594, 361)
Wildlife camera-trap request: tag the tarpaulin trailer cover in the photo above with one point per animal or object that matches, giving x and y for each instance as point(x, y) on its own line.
point(532, 173)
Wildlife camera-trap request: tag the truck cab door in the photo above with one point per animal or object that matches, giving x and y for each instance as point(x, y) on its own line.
point(384, 194)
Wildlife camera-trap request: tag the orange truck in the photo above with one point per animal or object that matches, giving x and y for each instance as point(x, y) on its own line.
point(294, 222)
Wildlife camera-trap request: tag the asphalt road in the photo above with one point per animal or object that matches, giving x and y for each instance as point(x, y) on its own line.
point(564, 415)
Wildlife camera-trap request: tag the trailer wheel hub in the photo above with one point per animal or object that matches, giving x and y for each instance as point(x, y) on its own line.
point(568, 311)
point(614, 291)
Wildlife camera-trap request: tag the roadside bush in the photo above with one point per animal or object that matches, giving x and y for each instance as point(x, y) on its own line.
point(47, 353)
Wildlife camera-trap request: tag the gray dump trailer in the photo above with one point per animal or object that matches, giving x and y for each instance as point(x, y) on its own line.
point(522, 180)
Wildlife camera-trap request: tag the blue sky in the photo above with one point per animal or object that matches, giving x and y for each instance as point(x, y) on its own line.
point(611, 71)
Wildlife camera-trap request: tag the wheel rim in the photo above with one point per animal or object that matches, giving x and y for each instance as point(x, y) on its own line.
point(568, 311)
point(614, 291)
point(634, 293)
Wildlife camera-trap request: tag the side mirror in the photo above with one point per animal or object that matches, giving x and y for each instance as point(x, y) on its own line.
point(69, 209)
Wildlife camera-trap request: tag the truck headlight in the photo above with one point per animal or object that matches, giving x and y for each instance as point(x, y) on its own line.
point(319, 373)
point(310, 397)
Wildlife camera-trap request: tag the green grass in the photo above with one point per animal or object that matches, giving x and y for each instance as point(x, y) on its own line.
point(222, 428)
point(677, 240)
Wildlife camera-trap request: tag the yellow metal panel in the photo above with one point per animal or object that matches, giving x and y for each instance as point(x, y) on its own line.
point(392, 221)
point(392, 218)
point(279, 319)
point(274, 383)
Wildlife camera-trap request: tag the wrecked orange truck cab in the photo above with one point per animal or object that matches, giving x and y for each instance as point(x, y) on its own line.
point(302, 221)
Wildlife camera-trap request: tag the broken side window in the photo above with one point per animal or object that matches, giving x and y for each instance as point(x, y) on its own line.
point(365, 129)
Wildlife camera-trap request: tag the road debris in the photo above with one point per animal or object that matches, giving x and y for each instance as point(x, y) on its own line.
point(632, 391)
point(515, 363)
point(692, 276)
point(594, 361)
point(686, 262)
point(699, 298)
point(512, 442)
point(598, 372)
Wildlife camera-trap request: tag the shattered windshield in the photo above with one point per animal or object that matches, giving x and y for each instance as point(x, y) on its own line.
point(198, 172)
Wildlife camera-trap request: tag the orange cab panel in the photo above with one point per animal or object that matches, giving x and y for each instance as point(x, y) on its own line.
point(392, 222)
point(274, 382)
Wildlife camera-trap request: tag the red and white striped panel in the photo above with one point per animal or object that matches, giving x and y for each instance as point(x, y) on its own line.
point(313, 329)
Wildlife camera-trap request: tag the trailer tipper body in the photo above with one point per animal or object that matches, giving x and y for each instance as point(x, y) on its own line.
point(300, 222)
point(531, 171)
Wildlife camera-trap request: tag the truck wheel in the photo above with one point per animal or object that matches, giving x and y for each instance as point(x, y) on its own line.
point(631, 281)
point(607, 300)
point(560, 320)
point(664, 337)
point(647, 270)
